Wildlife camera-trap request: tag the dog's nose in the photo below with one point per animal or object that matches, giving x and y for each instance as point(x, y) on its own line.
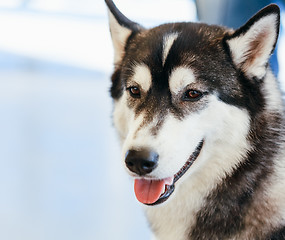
point(141, 162)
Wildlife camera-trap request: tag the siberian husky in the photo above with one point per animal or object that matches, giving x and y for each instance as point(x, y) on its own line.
point(201, 121)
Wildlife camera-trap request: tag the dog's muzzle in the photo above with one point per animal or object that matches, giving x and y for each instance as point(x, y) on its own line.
point(154, 191)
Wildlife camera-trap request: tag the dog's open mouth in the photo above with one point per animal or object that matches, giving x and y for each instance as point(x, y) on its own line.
point(153, 192)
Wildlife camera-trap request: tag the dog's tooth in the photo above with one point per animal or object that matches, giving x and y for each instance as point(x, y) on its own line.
point(163, 190)
point(169, 181)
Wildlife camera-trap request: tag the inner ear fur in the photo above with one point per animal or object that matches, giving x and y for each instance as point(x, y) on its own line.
point(252, 44)
point(121, 28)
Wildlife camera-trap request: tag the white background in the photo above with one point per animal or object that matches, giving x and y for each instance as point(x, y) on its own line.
point(61, 176)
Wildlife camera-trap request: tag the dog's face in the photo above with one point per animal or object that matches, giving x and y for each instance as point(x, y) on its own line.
point(179, 93)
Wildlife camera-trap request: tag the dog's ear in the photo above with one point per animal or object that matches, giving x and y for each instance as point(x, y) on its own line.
point(121, 28)
point(252, 45)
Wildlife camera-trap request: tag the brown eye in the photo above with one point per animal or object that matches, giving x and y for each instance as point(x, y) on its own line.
point(134, 92)
point(192, 95)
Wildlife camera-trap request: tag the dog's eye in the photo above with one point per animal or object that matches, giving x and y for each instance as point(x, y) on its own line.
point(192, 95)
point(134, 92)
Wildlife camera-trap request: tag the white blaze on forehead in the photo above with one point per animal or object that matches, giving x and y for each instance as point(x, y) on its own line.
point(180, 78)
point(142, 76)
point(168, 41)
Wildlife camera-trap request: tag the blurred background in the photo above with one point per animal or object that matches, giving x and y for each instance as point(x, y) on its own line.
point(61, 175)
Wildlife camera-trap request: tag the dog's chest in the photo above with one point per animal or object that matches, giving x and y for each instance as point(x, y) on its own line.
point(174, 219)
point(167, 226)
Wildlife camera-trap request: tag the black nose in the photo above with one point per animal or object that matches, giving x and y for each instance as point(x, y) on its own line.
point(141, 162)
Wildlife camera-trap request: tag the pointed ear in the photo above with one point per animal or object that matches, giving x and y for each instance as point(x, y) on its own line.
point(252, 45)
point(121, 28)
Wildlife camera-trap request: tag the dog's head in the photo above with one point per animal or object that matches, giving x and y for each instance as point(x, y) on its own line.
point(184, 96)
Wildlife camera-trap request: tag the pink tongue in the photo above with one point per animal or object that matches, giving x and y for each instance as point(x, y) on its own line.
point(149, 191)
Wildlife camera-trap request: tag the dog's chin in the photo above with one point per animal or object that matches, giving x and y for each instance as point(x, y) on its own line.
point(167, 186)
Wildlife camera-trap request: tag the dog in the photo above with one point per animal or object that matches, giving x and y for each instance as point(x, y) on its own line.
point(200, 118)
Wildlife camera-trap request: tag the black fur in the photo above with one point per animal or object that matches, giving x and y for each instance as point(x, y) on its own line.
point(225, 209)
point(208, 67)
point(204, 49)
point(278, 234)
point(122, 20)
point(116, 88)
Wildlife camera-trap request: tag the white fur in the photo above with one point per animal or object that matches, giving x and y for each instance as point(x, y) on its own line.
point(264, 31)
point(120, 35)
point(221, 153)
point(186, 134)
point(121, 116)
point(167, 147)
point(180, 78)
point(128, 144)
point(142, 77)
point(272, 93)
point(276, 191)
point(168, 41)
point(223, 127)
